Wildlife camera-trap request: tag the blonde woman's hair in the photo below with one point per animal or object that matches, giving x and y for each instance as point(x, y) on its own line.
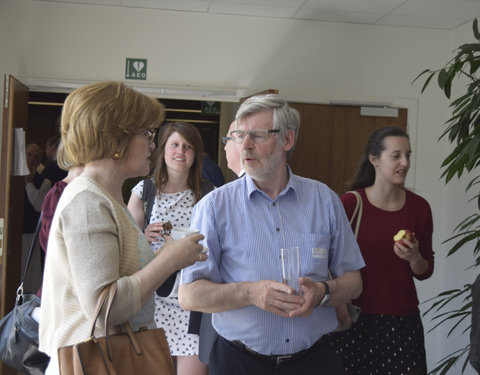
point(100, 119)
point(62, 159)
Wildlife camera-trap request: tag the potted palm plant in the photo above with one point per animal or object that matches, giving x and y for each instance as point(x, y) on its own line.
point(454, 306)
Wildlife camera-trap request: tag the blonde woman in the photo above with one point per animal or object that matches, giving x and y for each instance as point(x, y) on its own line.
point(109, 128)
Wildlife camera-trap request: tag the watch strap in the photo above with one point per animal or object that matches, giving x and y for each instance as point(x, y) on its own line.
point(326, 297)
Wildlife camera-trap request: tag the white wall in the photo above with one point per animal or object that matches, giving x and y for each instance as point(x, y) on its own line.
point(307, 61)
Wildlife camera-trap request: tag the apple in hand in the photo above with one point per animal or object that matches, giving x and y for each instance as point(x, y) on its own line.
point(401, 235)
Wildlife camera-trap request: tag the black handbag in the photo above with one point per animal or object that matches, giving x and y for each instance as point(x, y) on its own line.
point(19, 330)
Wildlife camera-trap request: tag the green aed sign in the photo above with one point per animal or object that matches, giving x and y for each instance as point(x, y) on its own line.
point(210, 108)
point(136, 69)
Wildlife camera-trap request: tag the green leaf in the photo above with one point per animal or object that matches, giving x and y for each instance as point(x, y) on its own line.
point(468, 48)
point(460, 103)
point(476, 34)
point(442, 78)
point(473, 182)
point(467, 222)
point(462, 242)
point(447, 88)
point(427, 82)
point(449, 361)
point(421, 74)
point(474, 64)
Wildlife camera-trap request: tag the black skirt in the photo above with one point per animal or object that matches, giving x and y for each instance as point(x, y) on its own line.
point(383, 344)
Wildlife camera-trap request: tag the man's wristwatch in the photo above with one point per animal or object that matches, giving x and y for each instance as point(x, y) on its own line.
point(326, 297)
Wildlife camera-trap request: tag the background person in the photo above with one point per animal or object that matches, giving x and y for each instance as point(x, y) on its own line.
point(388, 337)
point(232, 152)
point(34, 156)
point(211, 171)
point(263, 327)
point(31, 213)
point(51, 200)
point(51, 148)
point(51, 174)
point(94, 241)
point(178, 187)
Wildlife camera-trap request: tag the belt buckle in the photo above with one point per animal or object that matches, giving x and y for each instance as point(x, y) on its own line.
point(282, 358)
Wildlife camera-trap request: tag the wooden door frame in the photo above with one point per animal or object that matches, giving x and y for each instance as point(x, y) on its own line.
point(15, 112)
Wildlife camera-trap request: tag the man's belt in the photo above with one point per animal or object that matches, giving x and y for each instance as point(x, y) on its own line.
point(278, 360)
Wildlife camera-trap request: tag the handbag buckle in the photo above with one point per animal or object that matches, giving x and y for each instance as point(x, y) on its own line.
point(91, 338)
point(19, 294)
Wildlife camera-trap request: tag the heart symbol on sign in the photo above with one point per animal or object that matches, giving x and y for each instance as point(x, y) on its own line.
point(138, 65)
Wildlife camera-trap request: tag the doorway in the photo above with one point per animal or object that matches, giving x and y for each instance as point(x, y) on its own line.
point(44, 110)
point(332, 139)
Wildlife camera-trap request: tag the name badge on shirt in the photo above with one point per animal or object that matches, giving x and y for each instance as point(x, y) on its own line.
point(320, 253)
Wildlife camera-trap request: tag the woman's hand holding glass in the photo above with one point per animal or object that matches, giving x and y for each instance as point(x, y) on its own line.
point(184, 252)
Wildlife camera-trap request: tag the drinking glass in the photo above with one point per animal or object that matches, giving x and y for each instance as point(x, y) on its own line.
point(291, 272)
point(179, 233)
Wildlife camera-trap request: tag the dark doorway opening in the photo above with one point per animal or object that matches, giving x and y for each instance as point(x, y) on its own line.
point(44, 110)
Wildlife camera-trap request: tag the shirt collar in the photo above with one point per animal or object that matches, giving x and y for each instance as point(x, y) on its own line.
point(292, 185)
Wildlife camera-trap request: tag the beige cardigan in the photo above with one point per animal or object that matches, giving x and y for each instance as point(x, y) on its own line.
point(93, 241)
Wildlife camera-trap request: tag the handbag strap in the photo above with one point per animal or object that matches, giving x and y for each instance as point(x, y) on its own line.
point(102, 298)
point(33, 244)
point(357, 212)
point(106, 297)
point(127, 328)
point(148, 198)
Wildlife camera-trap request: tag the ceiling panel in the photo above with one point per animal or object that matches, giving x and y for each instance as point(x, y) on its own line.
point(252, 10)
point(338, 16)
point(460, 9)
point(421, 22)
point(179, 5)
point(274, 3)
point(364, 6)
point(436, 14)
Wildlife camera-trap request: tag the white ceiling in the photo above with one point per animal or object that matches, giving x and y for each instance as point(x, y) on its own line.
point(434, 14)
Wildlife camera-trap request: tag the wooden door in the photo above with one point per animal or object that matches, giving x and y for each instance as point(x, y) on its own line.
point(15, 110)
point(331, 141)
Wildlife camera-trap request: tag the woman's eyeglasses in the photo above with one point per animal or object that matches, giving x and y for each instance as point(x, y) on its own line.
point(150, 134)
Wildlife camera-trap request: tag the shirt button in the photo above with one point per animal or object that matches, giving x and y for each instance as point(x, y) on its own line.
point(273, 204)
point(287, 340)
point(277, 229)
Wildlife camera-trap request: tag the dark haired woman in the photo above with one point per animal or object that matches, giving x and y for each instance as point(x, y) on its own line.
point(178, 186)
point(388, 338)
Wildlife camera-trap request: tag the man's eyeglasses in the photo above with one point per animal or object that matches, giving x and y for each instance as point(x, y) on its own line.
point(226, 139)
point(256, 136)
point(150, 134)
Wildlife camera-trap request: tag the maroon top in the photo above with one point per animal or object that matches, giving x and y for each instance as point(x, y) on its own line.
point(48, 209)
point(388, 286)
